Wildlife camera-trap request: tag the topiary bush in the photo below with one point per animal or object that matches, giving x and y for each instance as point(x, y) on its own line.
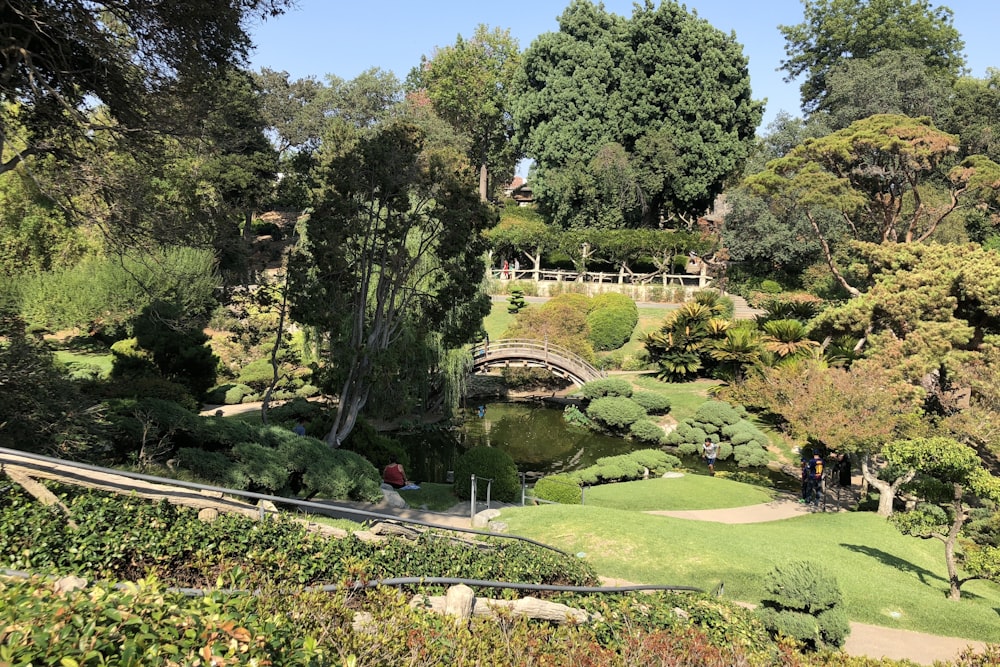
point(652, 402)
point(626, 467)
point(647, 430)
point(563, 489)
point(615, 413)
point(611, 320)
point(606, 387)
point(487, 462)
point(805, 604)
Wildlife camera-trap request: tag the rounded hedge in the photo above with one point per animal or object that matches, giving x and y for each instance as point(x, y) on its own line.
point(612, 319)
point(615, 413)
point(491, 463)
point(647, 430)
point(561, 489)
point(606, 387)
point(654, 403)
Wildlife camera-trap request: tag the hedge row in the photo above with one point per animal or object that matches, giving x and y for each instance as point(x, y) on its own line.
point(566, 488)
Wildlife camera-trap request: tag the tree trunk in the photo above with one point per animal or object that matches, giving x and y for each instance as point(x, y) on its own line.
point(886, 491)
point(483, 182)
point(954, 583)
point(828, 254)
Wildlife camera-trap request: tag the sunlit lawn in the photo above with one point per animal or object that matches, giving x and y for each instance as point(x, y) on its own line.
point(75, 361)
point(887, 579)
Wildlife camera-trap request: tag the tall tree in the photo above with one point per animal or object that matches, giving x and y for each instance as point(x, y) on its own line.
point(662, 101)
point(883, 175)
point(62, 56)
point(469, 85)
point(393, 246)
point(837, 30)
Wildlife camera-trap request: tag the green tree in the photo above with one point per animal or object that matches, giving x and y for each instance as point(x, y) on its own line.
point(394, 245)
point(469, 85)
point(683, 344)
point(948, 476)
point(62, 56)
point(883, 175)
point(895, 82)
point(632, 119)
point(836, 30)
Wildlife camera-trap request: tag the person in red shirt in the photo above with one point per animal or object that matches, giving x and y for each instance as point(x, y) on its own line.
point(393, 475)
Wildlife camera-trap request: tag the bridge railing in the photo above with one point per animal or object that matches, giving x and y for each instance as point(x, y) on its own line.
point(549, 353)
point(562, 275)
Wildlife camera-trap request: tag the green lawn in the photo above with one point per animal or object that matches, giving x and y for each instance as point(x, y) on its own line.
point(887, 579)
point(685, 397)
point(690, 492)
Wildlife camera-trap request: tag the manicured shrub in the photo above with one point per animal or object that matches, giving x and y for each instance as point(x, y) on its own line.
point(611, 320)
point(606, 387)
point(257, 374)
point(562, 489)
point(805, 604)
point(228, 394)
point(491, 463)
point(647, 431)
point(626, 467)
point(717, 413)
point(615, 413)
point(750, 455)
point(652, 402)
point(657, 460)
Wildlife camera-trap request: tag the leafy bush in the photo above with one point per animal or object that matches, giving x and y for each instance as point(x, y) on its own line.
point(770, 287)
point(606, 387)
point(750, 455)
point(573, 415)
point(228, 394)
point(615, 413)
point(559, 489)
point(491, 463)
point(805, 604)
point(647, 431)
point(717, 413)
point(652, 402)
point(611, 320)
point(626, 467)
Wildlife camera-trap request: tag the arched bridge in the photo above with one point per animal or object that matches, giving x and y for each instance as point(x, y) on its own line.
point(536, 354)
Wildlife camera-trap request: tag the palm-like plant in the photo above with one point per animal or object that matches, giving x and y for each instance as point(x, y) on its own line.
point(740, 348)
point(682, 345)
point(787, 338)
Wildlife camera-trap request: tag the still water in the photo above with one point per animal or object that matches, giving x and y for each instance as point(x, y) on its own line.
point(535, 436)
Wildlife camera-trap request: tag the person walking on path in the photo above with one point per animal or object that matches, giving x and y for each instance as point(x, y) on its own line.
point(710, 450)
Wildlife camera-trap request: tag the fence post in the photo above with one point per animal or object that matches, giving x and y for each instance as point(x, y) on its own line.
point(472, 503)
point(489, 490)
point(583, 495)
point(524, 485)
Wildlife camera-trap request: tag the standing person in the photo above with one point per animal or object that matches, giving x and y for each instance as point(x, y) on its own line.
point(844, 471)
point(517, 266)
point(506, 270)
point(815, 479)
point(394, 475)
point(804, 475)
point(710, 450)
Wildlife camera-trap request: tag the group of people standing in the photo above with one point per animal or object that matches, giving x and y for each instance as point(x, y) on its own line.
point(505, 271)
point(813, 469)
point(812, 477)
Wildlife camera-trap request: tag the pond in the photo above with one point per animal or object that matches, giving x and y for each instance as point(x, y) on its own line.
point(536, 437)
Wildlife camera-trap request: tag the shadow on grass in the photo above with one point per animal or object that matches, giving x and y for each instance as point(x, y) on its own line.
point(896, 563)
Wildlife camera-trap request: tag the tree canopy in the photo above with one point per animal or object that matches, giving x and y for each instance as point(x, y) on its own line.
point(469, 85)
point(833, 31)
point(632, 119)
point(59, 57)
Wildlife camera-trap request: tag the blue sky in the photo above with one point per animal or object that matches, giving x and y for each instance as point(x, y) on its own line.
point(343, 38)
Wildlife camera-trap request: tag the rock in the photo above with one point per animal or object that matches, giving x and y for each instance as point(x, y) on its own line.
point(267, 506)
point(498, 526)
point(483, 518)
point(208, 514)
point(681, 613)
point(670, 474)
point(459, 602)
point(392, 497)
point(68, 584)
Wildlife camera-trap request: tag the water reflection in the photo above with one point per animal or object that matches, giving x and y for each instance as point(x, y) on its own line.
point(536, 437)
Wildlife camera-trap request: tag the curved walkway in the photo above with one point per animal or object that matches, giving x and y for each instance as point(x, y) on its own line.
point(775, 510)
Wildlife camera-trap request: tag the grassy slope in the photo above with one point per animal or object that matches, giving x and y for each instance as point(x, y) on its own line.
point(888, 579)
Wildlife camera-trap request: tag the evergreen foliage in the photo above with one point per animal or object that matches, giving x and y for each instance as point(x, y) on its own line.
point(611, 320)
point(804, 604)
point(606, 387)
point(615, 413)
point(487, 463)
